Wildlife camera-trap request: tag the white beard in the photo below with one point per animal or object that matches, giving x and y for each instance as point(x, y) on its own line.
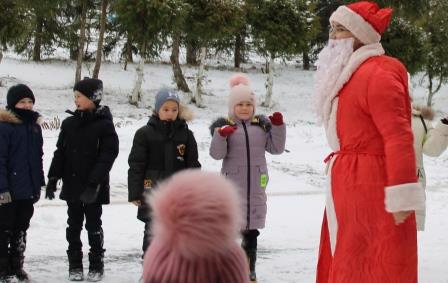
point(330, 63)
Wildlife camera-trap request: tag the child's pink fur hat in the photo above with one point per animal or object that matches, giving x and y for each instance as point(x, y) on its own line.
point(240, 91)
point(196, 223)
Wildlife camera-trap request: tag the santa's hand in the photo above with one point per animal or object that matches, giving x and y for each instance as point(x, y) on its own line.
point(401, 216)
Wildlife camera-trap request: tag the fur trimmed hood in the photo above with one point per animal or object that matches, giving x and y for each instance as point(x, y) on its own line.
point(425, 111)
point(8, 116)
point(184, 113)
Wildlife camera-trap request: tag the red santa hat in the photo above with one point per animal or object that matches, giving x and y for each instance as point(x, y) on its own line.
point(365, 20)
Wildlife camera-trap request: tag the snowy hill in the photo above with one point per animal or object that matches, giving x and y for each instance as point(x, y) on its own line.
point(289, 243)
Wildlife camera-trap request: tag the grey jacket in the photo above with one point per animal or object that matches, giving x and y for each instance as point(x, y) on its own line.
point(244, 162)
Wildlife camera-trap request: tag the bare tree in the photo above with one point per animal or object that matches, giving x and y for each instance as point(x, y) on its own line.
point(174, 58)
point(82, 38)
point(99, 50)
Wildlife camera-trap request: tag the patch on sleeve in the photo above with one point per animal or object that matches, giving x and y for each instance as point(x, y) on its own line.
point(147, 184)
point(263, 180)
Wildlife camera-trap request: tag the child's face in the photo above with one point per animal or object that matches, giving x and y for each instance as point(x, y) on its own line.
point(25, 103)
point(169, 111)
point(244, 110)
point(82, 102)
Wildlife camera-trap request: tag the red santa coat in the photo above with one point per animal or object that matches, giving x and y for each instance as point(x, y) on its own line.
point(372, 174)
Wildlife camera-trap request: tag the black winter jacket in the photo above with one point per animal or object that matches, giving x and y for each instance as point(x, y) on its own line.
point(160, 149)
point(21, 142)
point(86, 150)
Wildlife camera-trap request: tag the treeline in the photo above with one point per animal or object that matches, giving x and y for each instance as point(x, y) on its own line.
point(274, 29)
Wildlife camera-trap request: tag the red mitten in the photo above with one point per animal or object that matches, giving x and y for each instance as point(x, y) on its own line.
point(226, 130)
point(276, 119)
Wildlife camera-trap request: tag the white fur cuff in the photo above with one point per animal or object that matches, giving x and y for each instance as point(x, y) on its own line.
point(405, 197)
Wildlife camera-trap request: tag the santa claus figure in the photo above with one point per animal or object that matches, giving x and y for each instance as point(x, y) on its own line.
point(369, 231)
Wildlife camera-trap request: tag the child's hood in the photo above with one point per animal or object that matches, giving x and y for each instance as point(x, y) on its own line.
point(7, 116)
point(102, 112)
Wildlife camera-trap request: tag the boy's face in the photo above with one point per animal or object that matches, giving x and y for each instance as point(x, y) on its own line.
point(25, 103)
point(244, 110)
point(169, 111)
point(82, 102)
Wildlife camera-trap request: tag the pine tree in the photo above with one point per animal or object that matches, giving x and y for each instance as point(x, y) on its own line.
point(11, 23)
point(148, 23)
point(278, 30)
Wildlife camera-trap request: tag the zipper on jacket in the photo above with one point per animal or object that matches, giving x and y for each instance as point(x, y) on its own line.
point(248, 176)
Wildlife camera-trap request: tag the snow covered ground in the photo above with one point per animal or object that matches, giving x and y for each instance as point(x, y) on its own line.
point(287, 247)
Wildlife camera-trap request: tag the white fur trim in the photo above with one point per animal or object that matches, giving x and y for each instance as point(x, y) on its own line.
point(330, 106)
point(356, 24)
point(405, 197)
point(330, 211)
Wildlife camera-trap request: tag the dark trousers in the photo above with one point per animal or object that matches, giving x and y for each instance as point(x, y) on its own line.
point(250, 240)
point(143, 214)
point(14, 222)
point(76, 212)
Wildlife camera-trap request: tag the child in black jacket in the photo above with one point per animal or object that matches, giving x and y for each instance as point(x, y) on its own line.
point(162, 147)
point(21, 177)
point(86, 150)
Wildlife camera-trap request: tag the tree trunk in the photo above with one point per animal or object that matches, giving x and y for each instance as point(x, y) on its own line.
point(177, 71)
point(82, 37)
point(197, 99)
point(269, 84)
point(238, 50)
point(192, 53)
point(1, 55)
point(99, 50)
point(430, 92)
point(128, 53)
point(38, 39)
point(136, 92)
point(306, 60)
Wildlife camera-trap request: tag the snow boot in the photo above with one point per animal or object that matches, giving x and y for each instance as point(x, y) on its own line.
point(5, 275)
point(75, 269)
point(16, 255)
point(96, 267)
point(252, 256)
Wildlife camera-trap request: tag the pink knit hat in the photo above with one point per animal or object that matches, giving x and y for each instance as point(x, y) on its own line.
point(240, 91)
point(196, 224)
point(365, 20)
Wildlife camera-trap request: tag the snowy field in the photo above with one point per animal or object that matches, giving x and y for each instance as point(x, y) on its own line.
point(288, 245)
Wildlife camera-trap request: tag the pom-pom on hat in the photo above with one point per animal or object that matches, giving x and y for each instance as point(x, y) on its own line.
point(91, 88)
point(365, 20)
point(17, 93)
point(240, 91)
point(196, 219)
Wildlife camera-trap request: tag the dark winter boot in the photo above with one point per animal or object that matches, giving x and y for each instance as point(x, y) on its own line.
point(75, 269)
point(96, 256)
point(4, 270)
point(252, 256)
point(96, 267)
point(16, 255)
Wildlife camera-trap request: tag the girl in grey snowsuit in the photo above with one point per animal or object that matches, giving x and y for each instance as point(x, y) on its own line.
point(241, 141)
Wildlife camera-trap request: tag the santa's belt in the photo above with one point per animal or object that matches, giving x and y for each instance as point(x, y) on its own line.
point(344, 152)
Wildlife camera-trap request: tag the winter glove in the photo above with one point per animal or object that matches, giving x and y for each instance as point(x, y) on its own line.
point(5, 198)
point(226, 130)
point(51, 188)
point(90, 194)
point(276, 119)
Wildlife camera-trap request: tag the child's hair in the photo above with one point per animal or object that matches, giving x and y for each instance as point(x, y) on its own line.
point(196, 222)
point(240, 91)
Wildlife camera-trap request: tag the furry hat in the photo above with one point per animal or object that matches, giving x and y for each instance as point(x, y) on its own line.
point(365, 20)
point(91, 88)
point(240, 91)
point(196, 223)
point(17, 93)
